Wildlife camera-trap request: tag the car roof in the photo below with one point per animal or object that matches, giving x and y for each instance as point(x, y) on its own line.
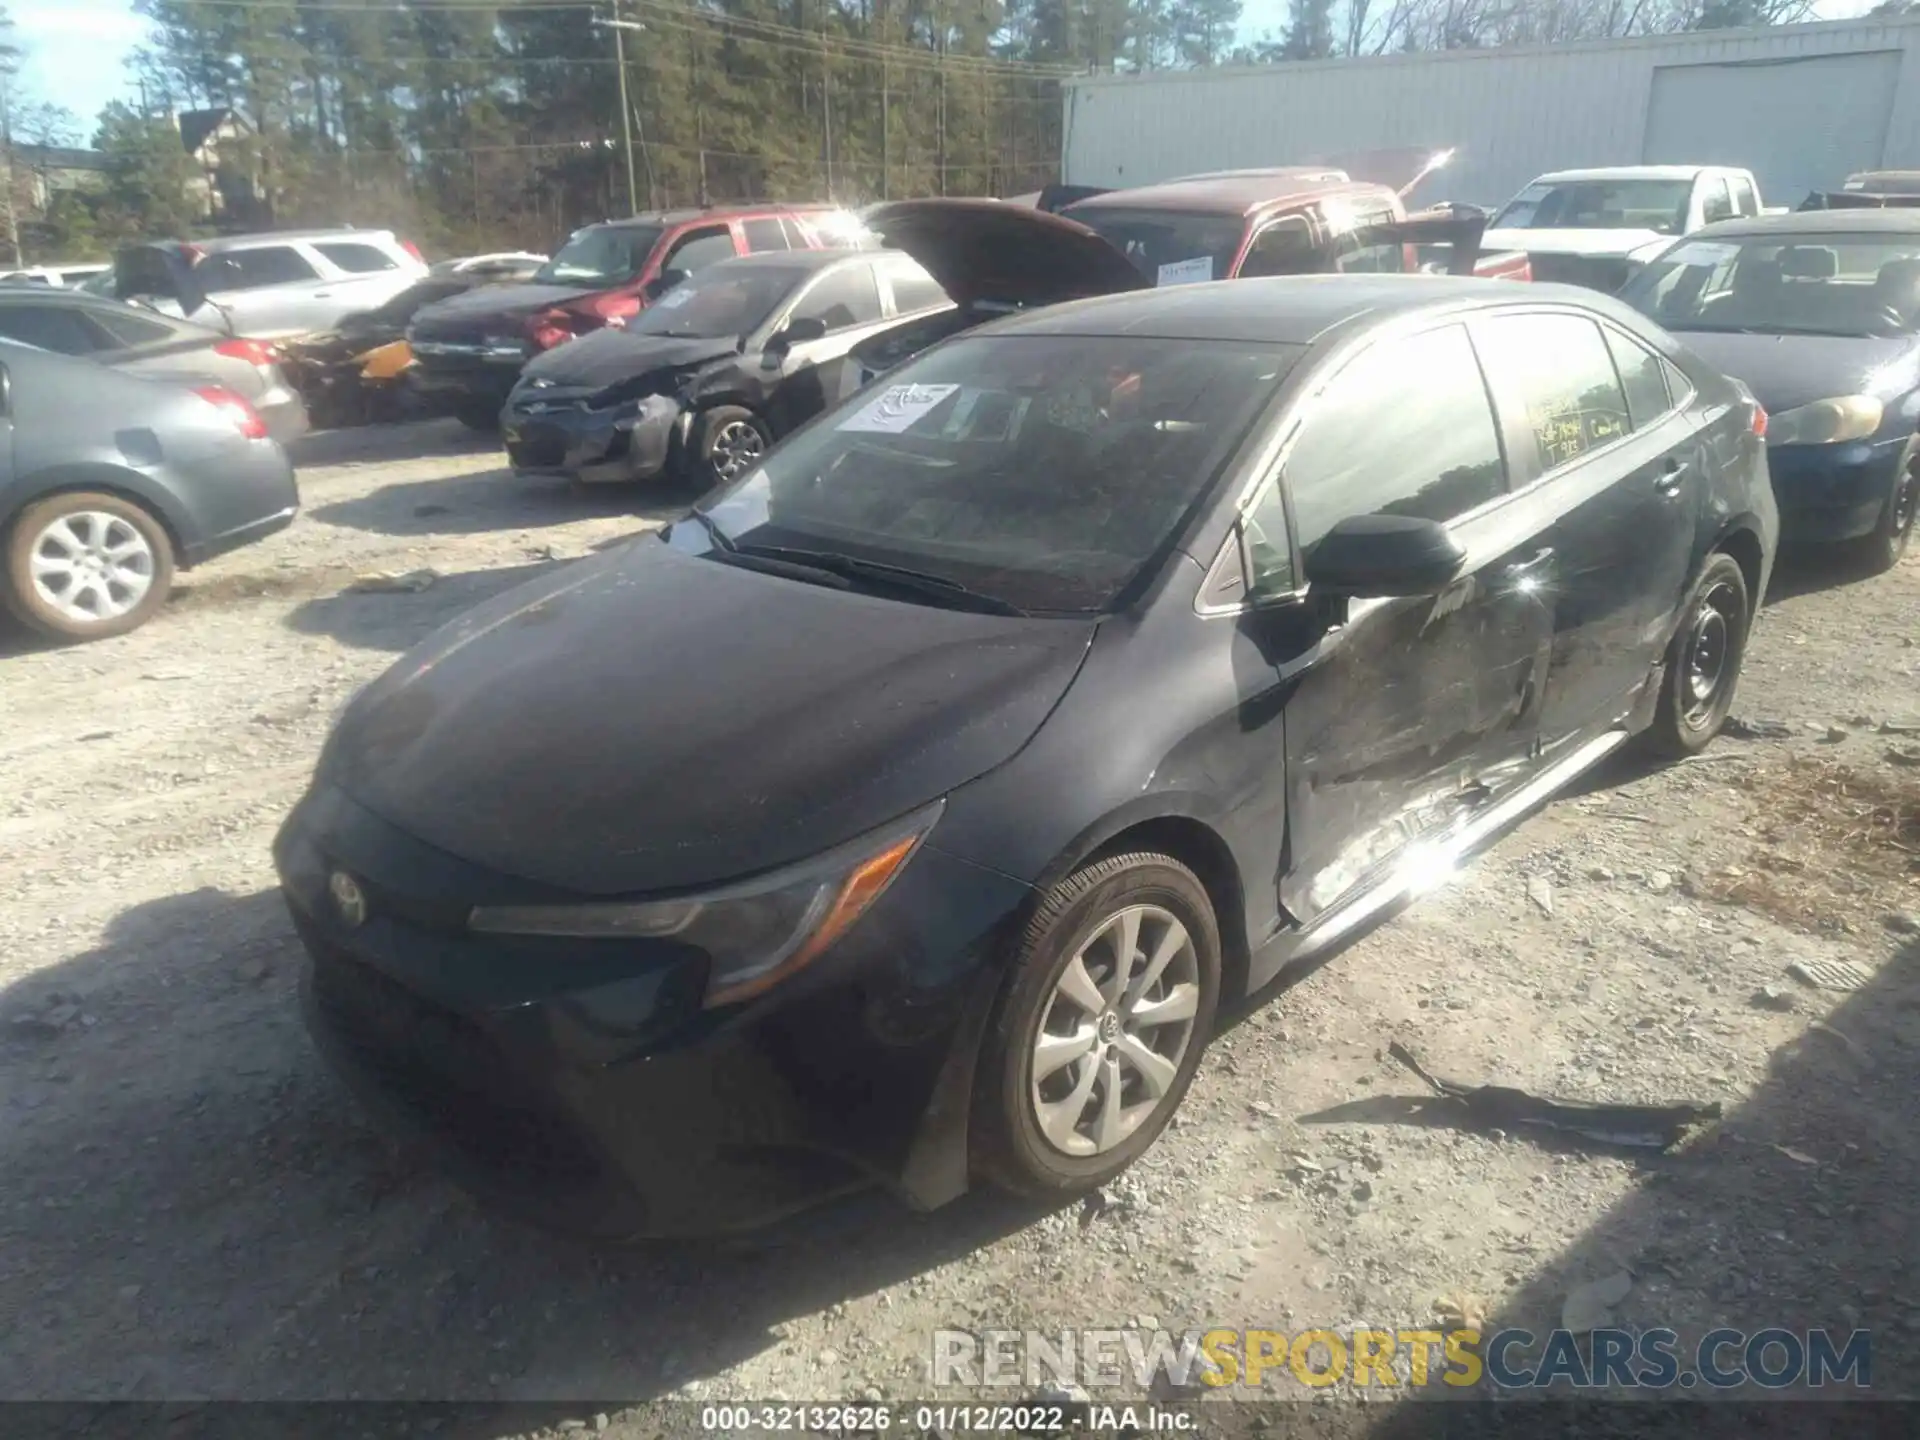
point(1235, 193)
point(1896, 221)
point(284, 237)
point(1634, 172)
point(1294, 310)
point(803, 261)
point(670, 218)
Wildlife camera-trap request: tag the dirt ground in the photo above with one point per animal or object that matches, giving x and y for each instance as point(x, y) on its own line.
point(190, 1207)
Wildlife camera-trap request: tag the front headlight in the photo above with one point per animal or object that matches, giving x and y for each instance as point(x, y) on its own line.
point(1826, 422)
point(756, 933)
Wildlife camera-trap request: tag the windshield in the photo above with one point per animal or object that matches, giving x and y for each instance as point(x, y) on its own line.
point(1811, 285)
point(1044, 471)
point(722, 302)
point(1170, 247)
point(601, 256)
point(1657, 205)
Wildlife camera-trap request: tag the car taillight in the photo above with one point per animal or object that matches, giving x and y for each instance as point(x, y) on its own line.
point(245, 418)
point(254, 352)
point(1759, 419)
point(413, 250)
point(193, 253)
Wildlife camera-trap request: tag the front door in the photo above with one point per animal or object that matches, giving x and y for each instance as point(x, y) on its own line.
point(1410, 713)
point(1593, 433)
point(812, 376)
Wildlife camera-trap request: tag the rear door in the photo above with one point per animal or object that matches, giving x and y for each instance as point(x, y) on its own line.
point(1621, 478)
point(1409, 713)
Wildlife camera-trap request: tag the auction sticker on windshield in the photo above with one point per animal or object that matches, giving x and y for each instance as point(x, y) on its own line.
point(897, 409)
point(1196, 271)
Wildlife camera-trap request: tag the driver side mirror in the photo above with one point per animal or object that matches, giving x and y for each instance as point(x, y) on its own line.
point(798, 332)
point(662, 283)
point(1377, 557)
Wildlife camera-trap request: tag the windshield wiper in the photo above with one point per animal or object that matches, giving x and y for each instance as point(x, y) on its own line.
point(853, 567)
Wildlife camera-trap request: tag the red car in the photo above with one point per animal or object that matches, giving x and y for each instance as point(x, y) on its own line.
point(468, 350)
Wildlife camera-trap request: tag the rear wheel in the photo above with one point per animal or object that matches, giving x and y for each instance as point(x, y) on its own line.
point(84, 565)
point(1881, 550)
point(1703, 661)
point(1100, 1028)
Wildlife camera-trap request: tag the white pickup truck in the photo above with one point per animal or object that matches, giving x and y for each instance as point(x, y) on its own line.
point(1594, 227)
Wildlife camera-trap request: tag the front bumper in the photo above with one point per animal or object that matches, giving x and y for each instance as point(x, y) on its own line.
point(579, 1085)
point(597, 446)
point(447, 383)
point(1831, 493)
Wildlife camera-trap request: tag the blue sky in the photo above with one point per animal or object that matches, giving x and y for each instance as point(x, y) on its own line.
point(76, 50)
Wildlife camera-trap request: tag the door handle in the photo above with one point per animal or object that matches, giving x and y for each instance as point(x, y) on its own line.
point(1534, 562)
point(1672, 479)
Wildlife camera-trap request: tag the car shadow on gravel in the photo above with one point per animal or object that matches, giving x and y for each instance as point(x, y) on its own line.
point(1808, 570)
point(399, 619)
point(194, 1207)
point(489, 500)
point(1800, 1210)
point(385, 444)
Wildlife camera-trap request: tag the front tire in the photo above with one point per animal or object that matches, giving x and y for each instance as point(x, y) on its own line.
point(84, 565)
point(1703, 662)
point(480, 416)
point(1881, 551)
point(1099, 1029)
point(728, 441)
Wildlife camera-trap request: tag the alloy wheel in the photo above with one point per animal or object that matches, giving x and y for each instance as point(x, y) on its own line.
point(1709, 650)
point(90, 566)
point(736, 445)
point(1110, 1044)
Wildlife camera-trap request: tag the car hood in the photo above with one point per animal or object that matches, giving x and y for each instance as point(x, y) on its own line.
point(1596, 244)
point(503, 302)
point(1785, 371)
point(650, 720)
point(991, 250)
point(606, 357)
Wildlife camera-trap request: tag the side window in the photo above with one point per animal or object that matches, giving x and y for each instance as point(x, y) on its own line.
point(913, 289)
point(1554, 372)
point(1643, 379)
point(845, 298)
point(130, 329)
point(1269, 553)
point(698, 249)
point(357, 259)
point(1405, 429)
point(763, 235)
point(1745, 202)
point(798, 237)
point(1283, 248)
point(1715, 203)
point(251, 269)
point(52, 327)
point(1356, 254)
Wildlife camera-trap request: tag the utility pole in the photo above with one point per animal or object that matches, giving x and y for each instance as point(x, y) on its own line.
point(620, 28)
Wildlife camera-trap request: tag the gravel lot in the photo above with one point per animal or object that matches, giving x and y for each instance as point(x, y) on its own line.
point(191, 1208)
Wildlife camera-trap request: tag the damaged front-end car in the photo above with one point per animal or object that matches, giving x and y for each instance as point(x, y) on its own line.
point(706, 380)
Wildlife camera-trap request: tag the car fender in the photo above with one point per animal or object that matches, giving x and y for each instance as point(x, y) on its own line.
point(112, 479)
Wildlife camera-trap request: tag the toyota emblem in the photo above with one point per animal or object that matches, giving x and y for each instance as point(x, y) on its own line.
point(348, 899)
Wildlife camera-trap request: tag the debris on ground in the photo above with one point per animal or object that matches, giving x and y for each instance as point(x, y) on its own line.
point(1799, 1157)
point(1772, 997)
point(1655, 1127)
point(1590, 1307)
point(1540, 891)
point(387, 582)
point(1830, 974)
point(1461, 1310)
point(1739, 729)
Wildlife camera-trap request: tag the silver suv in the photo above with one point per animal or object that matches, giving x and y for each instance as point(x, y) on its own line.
point(270, 286)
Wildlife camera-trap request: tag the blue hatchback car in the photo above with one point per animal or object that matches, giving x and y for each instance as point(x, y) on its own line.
point(1819, 313)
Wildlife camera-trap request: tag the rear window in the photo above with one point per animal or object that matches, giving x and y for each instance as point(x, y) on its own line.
point(1169, 247)
point(358, 259)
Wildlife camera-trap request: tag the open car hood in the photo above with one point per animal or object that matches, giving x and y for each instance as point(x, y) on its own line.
point(1859, 200)
point(1400, 170)
point(1461, 228)
point(1013, 254)
point(163, 271)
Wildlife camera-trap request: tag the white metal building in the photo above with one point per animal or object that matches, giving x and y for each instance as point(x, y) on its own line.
point(1800, 105)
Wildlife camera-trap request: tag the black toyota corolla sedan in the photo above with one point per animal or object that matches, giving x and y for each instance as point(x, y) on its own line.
point(910, 812)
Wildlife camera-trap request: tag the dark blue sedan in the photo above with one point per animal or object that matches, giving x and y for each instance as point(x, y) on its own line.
point(1819, 313)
